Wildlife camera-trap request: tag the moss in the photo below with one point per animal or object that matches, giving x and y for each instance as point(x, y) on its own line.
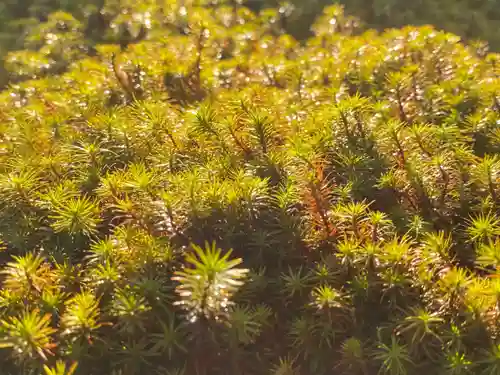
point(197, 192)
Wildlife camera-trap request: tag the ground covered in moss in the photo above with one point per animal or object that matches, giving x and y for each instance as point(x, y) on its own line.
point(210, 196)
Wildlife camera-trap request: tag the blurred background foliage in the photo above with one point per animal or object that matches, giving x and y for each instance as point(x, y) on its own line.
point(468, 18)
point(471, 19)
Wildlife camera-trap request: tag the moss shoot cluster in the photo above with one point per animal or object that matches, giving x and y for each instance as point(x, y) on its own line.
point(208, 196)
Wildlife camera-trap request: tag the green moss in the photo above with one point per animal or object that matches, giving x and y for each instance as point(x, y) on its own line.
point(202, 194)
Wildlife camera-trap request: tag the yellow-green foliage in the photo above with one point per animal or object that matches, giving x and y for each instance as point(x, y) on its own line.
point(216, 198)
point(470, 19)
